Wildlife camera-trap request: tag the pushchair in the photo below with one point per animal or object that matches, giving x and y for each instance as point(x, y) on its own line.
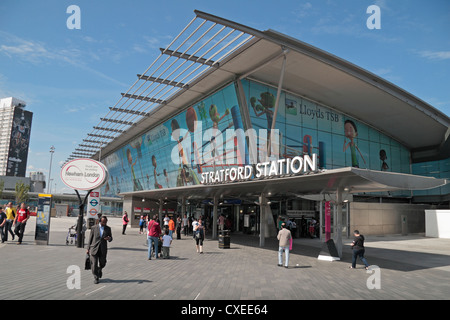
point(72, 235)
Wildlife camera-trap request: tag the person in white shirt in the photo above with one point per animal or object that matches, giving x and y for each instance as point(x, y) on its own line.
point(166, 242)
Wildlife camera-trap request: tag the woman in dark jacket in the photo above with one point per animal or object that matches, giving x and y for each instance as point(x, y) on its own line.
point(199, 235)
point(358, 249)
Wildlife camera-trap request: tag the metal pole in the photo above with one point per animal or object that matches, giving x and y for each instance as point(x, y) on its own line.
point(338, 222)
point(214, 224)
point(262, 220)
point(82, 203)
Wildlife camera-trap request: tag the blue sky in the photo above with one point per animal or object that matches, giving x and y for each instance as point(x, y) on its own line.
point(69, 78)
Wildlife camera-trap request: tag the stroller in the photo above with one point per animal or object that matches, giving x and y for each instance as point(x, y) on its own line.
point(72, 235)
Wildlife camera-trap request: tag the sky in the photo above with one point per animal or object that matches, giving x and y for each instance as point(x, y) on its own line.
point(69, 77)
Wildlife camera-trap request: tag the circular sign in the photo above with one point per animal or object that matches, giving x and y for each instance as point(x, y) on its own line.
point(93, 212)
point(84, 174)
point(93, 202)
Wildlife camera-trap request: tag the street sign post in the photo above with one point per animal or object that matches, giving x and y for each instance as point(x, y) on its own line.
point(87, 175)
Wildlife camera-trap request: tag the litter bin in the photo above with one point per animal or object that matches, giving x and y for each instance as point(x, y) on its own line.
point(224, 239)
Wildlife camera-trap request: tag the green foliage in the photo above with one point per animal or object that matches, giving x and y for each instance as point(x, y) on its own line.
point(21, 192)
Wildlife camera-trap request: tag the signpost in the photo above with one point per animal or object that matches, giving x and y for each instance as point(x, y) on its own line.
point(42, 233)
point(87, 175)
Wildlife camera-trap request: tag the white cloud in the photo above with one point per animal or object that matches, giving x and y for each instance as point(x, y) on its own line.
point(36, 52)
point(435, 55)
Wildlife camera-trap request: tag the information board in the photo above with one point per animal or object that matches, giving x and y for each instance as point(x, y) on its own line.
point(42, 233)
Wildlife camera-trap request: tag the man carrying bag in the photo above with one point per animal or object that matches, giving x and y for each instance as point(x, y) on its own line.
point(98, 247)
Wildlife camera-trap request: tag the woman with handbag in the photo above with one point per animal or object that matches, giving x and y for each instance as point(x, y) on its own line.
point(199, 235)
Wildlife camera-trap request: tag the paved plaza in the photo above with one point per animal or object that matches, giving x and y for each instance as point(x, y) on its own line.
point(410, 267)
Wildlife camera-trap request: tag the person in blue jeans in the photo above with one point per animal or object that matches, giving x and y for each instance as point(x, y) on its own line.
point(154, 232)
point(358, 250)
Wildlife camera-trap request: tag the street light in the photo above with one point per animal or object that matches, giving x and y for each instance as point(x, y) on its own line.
point(52, 151)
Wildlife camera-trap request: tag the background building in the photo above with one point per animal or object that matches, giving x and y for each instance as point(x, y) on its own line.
point(15, 133)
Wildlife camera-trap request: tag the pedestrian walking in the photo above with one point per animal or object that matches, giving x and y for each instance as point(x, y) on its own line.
point(141, 224)
point(221, 222)
point(2, 223)
point(166, 242)
point(10, 216)
point(178, 225)
point(154, 232)
point(98, 247)
point(284, 237)
point(171, 227)
point(185, 224)
point(358, 250)
point(22, 216)
point(194, 223)
point(166, 221)
point(125, 221)
point(199, 235)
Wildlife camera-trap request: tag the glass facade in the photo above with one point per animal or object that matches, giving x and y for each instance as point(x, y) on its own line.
point(168, 155)
point(338, 140)
point(176, 152)
point(437, 169)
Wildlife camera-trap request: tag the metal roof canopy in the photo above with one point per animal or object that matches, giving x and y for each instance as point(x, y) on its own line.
point(351, 180)
point(210, 52)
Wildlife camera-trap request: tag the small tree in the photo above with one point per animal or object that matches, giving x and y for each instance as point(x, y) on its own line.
point(21, 192)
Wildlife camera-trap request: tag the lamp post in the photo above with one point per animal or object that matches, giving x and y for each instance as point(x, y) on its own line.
point(52, 151)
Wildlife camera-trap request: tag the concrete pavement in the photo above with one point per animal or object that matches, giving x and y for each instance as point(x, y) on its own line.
point(410, 267)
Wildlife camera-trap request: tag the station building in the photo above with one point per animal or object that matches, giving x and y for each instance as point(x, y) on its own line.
point(256, 125)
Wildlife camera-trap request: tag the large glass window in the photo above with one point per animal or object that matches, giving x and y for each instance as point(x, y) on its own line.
point(338, 140)
point(176, 152)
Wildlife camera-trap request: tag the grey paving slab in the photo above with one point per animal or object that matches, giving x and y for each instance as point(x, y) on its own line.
point(411, 268)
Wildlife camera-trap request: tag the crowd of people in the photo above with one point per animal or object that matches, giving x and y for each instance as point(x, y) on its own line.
point(13, 217)
point(160, 239)
point(160, 234)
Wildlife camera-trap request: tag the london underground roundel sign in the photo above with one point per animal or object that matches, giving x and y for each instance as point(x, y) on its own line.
point(84, 174)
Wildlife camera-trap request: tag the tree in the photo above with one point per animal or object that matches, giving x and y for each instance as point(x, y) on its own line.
point(21, 192)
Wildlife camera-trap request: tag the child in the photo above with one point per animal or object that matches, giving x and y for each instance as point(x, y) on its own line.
point(166, 242)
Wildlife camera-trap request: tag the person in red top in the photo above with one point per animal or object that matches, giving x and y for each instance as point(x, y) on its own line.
point(20, 222)
point(154, 232)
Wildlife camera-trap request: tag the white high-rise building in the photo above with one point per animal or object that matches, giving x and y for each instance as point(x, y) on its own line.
point(15, 129)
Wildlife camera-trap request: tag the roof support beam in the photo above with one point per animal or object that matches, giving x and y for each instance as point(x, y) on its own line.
point(187, 57)
point(163, 81)
point(93, 141)
point(128, 123)
point(99, 136)
point(140, 113)
point(134, 96)
point(109, 129)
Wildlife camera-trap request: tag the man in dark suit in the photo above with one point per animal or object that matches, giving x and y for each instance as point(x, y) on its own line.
point(98, 247)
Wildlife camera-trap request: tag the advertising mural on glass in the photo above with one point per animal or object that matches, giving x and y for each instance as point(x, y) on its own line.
point(307, 128)
point(178, 151)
